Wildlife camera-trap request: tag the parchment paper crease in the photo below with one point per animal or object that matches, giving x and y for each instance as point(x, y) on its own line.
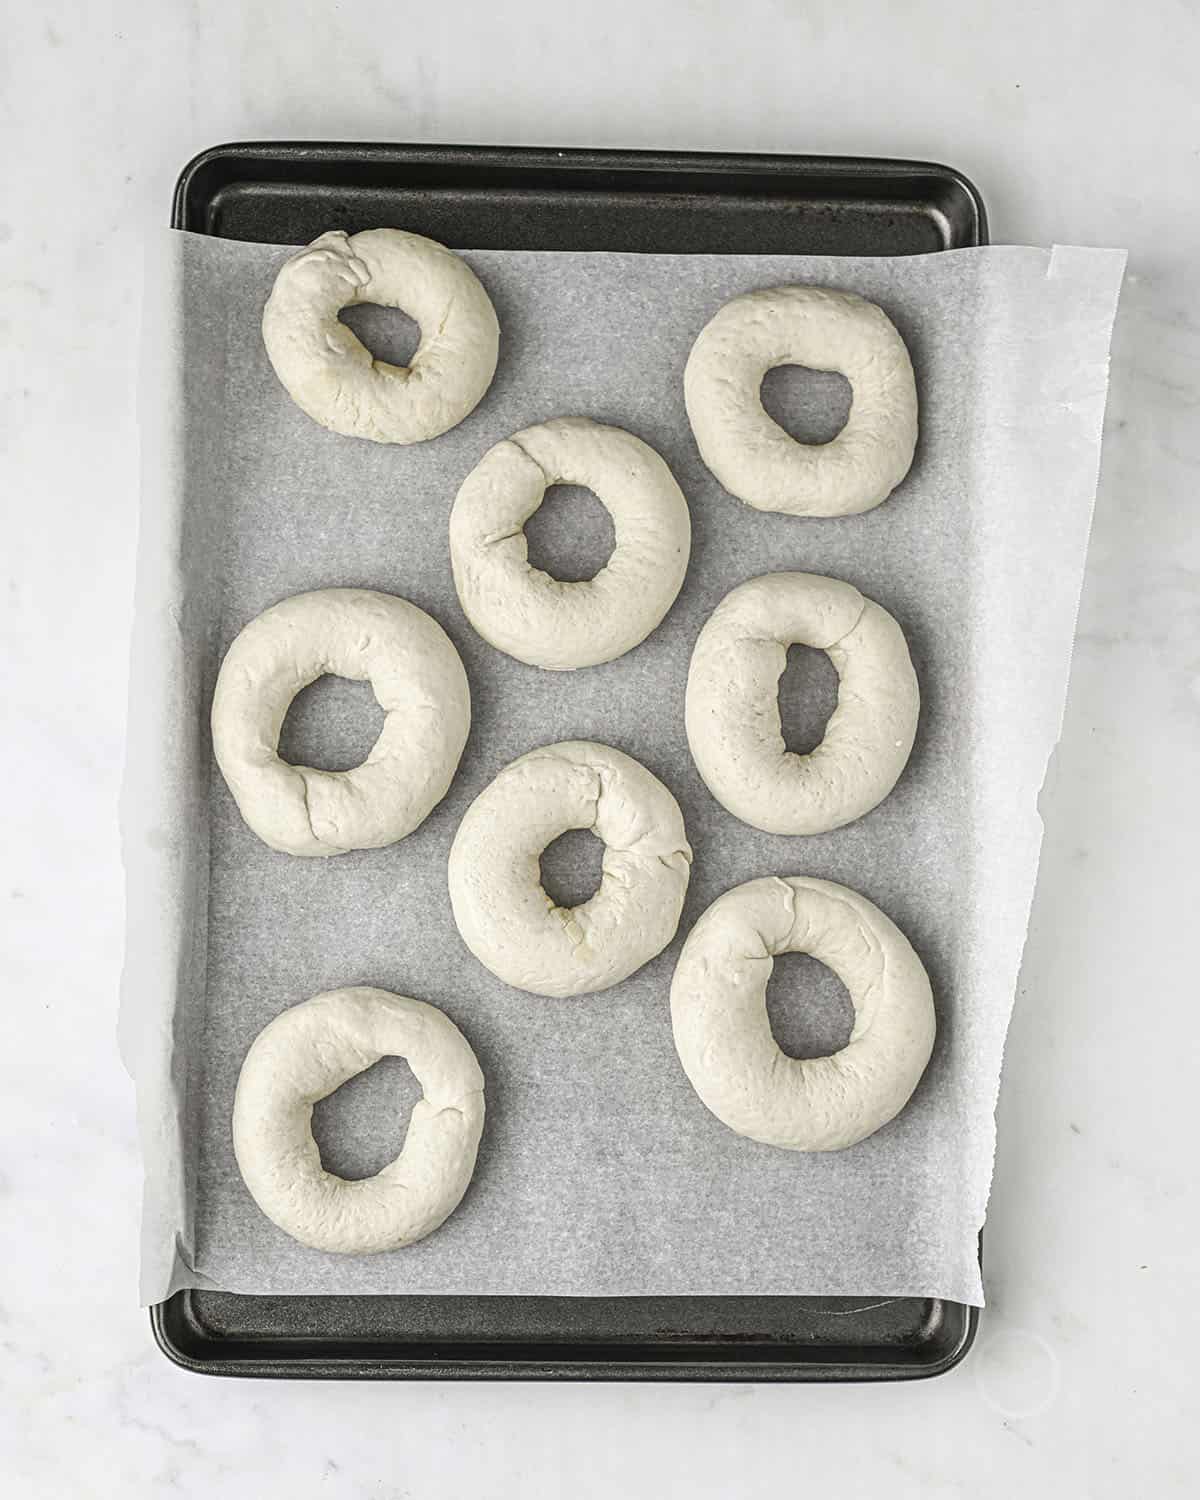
point(600, 1172)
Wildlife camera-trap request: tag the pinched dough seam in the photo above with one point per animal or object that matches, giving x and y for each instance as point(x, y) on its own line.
point(602, 773)
point(861, 1020)
point(774, 640)
point(324, 842)
point(320, 838)
point(566, 914)
point(548, 481)
point(537, 464)
point(493, 539)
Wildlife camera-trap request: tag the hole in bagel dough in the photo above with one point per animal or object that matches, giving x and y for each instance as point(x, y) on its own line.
point(808, 692)
point(570, 535)
point(808, 1006)
point(571, 867)
point(388, 333)
point(331, 725)
point(360, 1127)
point(810, 405)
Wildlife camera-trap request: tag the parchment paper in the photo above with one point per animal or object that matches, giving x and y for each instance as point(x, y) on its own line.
point(600, 1172)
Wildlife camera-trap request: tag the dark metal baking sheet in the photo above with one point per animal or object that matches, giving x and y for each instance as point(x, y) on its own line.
point(490, 197)
point(530, 198)
point(539, 1338)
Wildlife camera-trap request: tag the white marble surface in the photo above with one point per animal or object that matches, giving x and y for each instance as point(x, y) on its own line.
point(1083, 1381)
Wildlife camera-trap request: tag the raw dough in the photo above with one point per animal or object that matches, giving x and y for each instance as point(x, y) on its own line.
point(732, 704)
point(723, 1033)
point(418, 680)
point(329, 373)
point(751, 455)
point(504, 914)
point(309, 1051)
point(537, 618)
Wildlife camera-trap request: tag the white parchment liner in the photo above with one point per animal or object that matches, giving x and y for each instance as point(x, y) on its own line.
point(600, 1172)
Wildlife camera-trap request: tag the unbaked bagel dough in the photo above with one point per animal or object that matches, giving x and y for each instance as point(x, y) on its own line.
point(333, 377)
point(723, 1033)
point(502, 910)
point(418, 680)
point(751, 455)
point(524, 611)
point(732, 704)
point(309, 1051)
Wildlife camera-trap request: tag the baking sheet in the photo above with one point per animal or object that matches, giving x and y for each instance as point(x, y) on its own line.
point(600, 1173)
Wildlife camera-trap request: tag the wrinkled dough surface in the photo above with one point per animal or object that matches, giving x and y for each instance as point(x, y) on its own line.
point(723, 1032)
point(732, 704)
point(502, 910)
point(309, 1051)
point(418, 680)
point(525, 612)
point(750, 454)
point(331, 375)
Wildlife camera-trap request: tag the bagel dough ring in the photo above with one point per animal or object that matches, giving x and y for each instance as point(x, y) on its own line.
point(306, 1053)
point(751, 455)
point(333, 377)
point(732, 705)
point(723, 1033)
point(418, 680)
point(504, 914)
point(524, 611)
